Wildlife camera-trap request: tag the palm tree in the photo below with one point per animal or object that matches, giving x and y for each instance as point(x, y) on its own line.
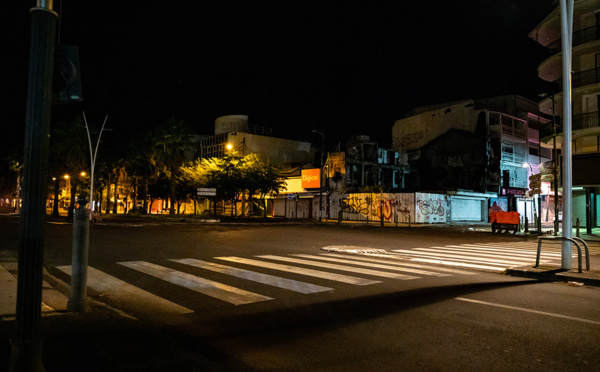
point(174, 144)
point(141, 166)
point(68, 153)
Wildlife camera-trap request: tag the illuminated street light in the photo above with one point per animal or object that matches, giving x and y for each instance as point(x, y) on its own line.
point(229, 146)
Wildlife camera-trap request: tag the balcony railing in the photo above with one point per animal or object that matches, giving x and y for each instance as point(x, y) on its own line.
point(586, 77)
point(581, 121)
point(587, 120)
point(579, 37)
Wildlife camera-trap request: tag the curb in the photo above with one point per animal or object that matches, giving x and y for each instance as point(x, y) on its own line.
point(555, 274)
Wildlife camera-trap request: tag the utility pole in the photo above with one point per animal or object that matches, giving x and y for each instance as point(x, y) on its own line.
point(26, 348)
point(322, 133)
point(566, 15)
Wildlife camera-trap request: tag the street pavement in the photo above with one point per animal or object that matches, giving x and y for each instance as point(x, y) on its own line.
point(127, 345)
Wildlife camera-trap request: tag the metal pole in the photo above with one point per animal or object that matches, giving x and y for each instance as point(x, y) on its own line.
point(26, 348)
point(93, 157)
point(322, 133)
point(78, 301)
point(555, 183)
point(566, 11)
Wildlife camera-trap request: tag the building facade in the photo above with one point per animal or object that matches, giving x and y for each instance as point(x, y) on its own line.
point(476, 148)
point(233, 134)
point(585, 95)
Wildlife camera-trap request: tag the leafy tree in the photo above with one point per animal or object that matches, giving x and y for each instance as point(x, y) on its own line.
point(234, 175)
point(174, 144)
point(68, 153)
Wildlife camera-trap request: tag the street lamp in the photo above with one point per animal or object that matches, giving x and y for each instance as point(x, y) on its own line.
point(322, 133)
point(93, 156)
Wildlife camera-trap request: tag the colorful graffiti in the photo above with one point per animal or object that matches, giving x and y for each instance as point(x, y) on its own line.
point(393, 207)
point(431, 207)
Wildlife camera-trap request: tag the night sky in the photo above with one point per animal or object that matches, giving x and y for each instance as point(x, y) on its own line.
point(349, 67)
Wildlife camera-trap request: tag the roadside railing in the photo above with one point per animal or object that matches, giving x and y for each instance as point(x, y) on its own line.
point(573, 241)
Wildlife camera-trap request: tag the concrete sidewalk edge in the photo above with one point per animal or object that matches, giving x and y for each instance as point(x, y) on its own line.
point(556, 274)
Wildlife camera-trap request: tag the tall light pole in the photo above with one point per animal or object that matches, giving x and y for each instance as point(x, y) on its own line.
point(322, 133)
point(26, 353)
point(93, 157)
point(566, 16)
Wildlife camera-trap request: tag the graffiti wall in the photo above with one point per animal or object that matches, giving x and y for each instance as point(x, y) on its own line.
point(371, 206)
point(431, 208)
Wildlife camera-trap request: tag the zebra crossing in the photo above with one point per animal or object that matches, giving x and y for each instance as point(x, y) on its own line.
point(483, 256)
point(333, 269)
point(229, 279)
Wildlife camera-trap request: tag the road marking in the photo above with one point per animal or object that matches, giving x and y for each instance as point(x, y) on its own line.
point(451, 257)
point(458, 264)
point(497, 251)
point(8, 298)
point(399, 262)
point(146, 302)
point(529, 311)
point(289, 284)
point(368, 264)
point(341, 267)
point(217, 290)
point(302, 271)
point(483, 256)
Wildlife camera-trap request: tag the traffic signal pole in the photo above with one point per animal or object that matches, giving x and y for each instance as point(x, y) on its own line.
point(26, 348)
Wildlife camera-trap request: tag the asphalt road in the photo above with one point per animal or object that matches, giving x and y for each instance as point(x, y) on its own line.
point(467, 320)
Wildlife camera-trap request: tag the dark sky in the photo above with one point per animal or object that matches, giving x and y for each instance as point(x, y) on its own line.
point(349, 67)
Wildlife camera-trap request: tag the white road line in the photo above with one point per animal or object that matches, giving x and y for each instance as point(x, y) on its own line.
point(302, 271)
point(453, 256)
point(210, 288)
point(498, 250)
point(370, 264)
point(8, 297)
point(395, 260)
point(341, 267)
point(275, 281)
point(459, 264)
point(466, 253)
point(146, 302)
point(529, 311)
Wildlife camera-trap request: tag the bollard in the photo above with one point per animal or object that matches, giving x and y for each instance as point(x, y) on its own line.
point(78, 301)
point(409, 220)
point(577, 227)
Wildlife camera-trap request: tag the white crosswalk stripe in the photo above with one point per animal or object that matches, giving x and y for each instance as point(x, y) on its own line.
point(292, 285)
point(145, 302)
point(371, 264)
point(211, 288)
point(340, 267)
point(302, 271)
point(394, 259)
point(483, 256)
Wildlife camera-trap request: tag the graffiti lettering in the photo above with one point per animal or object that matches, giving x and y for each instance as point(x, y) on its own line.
point(431, 207)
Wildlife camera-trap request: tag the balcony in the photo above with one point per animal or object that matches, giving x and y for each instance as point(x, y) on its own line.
point(581, 121)
point(586, 77)
point(579, 37)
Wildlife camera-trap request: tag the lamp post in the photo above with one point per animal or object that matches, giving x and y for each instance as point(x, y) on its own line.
point(93, 157)
point(322, 133)
point(566, 18)
point(26, 347)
